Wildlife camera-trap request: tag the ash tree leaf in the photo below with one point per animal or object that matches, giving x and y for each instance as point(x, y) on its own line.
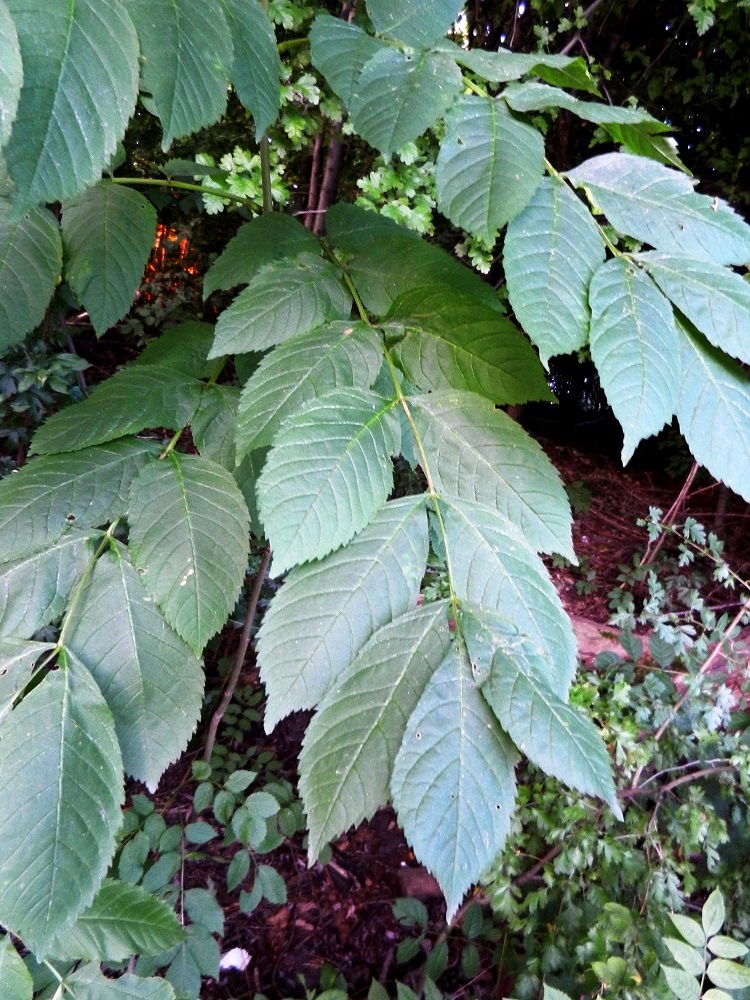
point(726, 947)
point(418, 23)
point(655, 204)
point(186, 55)
point(525, 97)
point(728, 975)
point(451, 341)
point(17, 662)
point(453, 781)
point(489, 166)
point(476, 452)
point(328, 474)
point(11, 72)
point(551, 252)
point(681, 983)
point(635, 347)
point(325, 612)
point(398, 96)
point(350, 745)
point(188, 537)
point(212, 425)
point(265, 240)
point(60, 776)
point(183, 347)
point(108, 233)
point(86, 489)
point(30, 263)
point(713, 916)
point(84, 69)
point(88, 983)
point(690, 959)
point(149, 677)
point(284, 300)
point(335, 356)
point(17, 983)
point(256, 67)
point(714, 299)
point(690, 929)
point(339, 50)
point(138, 397)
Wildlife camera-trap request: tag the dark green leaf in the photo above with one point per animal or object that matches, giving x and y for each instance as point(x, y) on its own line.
point(256, 68)
point(202, 908)
point(17, 662)
point(212, 426)
point(183, 347)
point(339, 50)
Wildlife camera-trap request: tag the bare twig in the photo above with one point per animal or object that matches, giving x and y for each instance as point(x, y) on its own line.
point(569, 46)
point(650, 554)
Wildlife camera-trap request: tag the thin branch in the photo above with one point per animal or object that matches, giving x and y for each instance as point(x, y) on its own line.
point(684, 779)
point(671, 515)
point(569, 46)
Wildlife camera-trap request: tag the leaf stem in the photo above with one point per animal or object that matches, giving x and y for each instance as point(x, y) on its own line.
point(553, 172)
point(173, 441)
point(474, 88)
point(265, 173)
point(81, 585)
point(185, 186)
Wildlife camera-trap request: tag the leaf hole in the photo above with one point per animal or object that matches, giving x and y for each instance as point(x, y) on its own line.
point(70, 518)
point(418, 736)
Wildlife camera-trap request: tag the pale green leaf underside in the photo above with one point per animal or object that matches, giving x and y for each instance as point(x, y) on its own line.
point(11, 72)
point(286, 299)
point(30, 262)
point(212, 426)
point(681, 983)
point(525, 97)
point(551, 252)
point(17, 983)
point(186, 54)
point(150, 679)
point(17, 662)
point(335, 356)
point(324, 613)
point(136, 398)
point(339, 50)
point(489, 166)
point(503, 66)
point(60, 777)
point(476, 452)
point(84, 68)
point(350, 745)
point(453, 784)
point(328, 474)
point(256, 67)
point(397, 96)
point(418, 23)
point(108, 233)
point(188, 537)
point(87, 489)
point(635, 347)
point(88, 983)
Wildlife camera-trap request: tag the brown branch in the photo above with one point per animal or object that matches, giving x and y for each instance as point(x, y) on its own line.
point(535, 869)
point(684, 779)
point(331, 173)
point(650, 554)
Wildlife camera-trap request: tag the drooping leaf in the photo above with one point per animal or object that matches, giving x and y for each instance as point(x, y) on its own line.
point(87, 489)
point(60, 776)
point(551, 252)
point(188, 537)
point(574, 76)
point(453, 784)
point(489, 165)
point(451, 341)
point(635, 347)
point(150, 679)
point(186, 55)
point(476, 452)
point(398, 96)
point(339, 50)
point(183, 347)
point(418, 23)
point(714, 299)
point(256, 68)
point(138, 397)
point(713, 410)
point(17, 662)
point(335, 356)
point(350, 745)
point(268, 238)
point(653, 203)
point(88, 983)
point(30, 262)
point(328, 474)
point(17, 983)
point(324, 613)
point(11, 72)
point(503, 66)
point(527, 97)
point(286, 299)
point(108, 233)
point(212, 426)
point(83, 69)
point(638, 140)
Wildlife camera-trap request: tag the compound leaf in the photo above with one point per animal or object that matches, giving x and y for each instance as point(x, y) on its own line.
point(17, 662)
point(339, 50)
point(88, 983)
point(418, 23)
point(256, 68)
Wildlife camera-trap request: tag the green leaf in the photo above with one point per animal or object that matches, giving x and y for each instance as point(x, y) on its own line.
point(336, 356)
point(17, 662)
point(327, 475)
point(256, 68)
point(265, 240)
point(489, 166)
point(452, 341)
point(418, 23)
point(108, 233)
point(30, 262)
point(574, 76)
point(60, 776)
point(635, 346)
point(399, 95)
point(17, 983)
point(286, 299)
point(272, 884)
point(11, 73)
point(657, 205)
point(638, 140)
point(726, 947)
point(150, 679)
point(691, 930)
point(203, 909)
point(728, 975)
point(88, 488)
point(138, 397)
point(350, 745)
point(503, 66)
point(34, 590)
point(325, 612)
point(183, 347)
point(551, 252)
point(186, 55)
point(476, 452)
point(246, 476)
point(714, 299)
point(88, 983)
point(212, 425)
point(713, 916)
point(716, 995)
point(339, 50)
point(690, 959)
point(713, 411)
point(553, 994)
point(525, 97)
point(453, 783)
point(123, 920)
point(188, 537)
point(681, 983)
point(492, 566)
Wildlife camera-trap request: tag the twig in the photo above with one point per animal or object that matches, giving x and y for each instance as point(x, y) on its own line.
point(535, 869)
point(704, 772)
point(577, 37)
point(650, 554)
